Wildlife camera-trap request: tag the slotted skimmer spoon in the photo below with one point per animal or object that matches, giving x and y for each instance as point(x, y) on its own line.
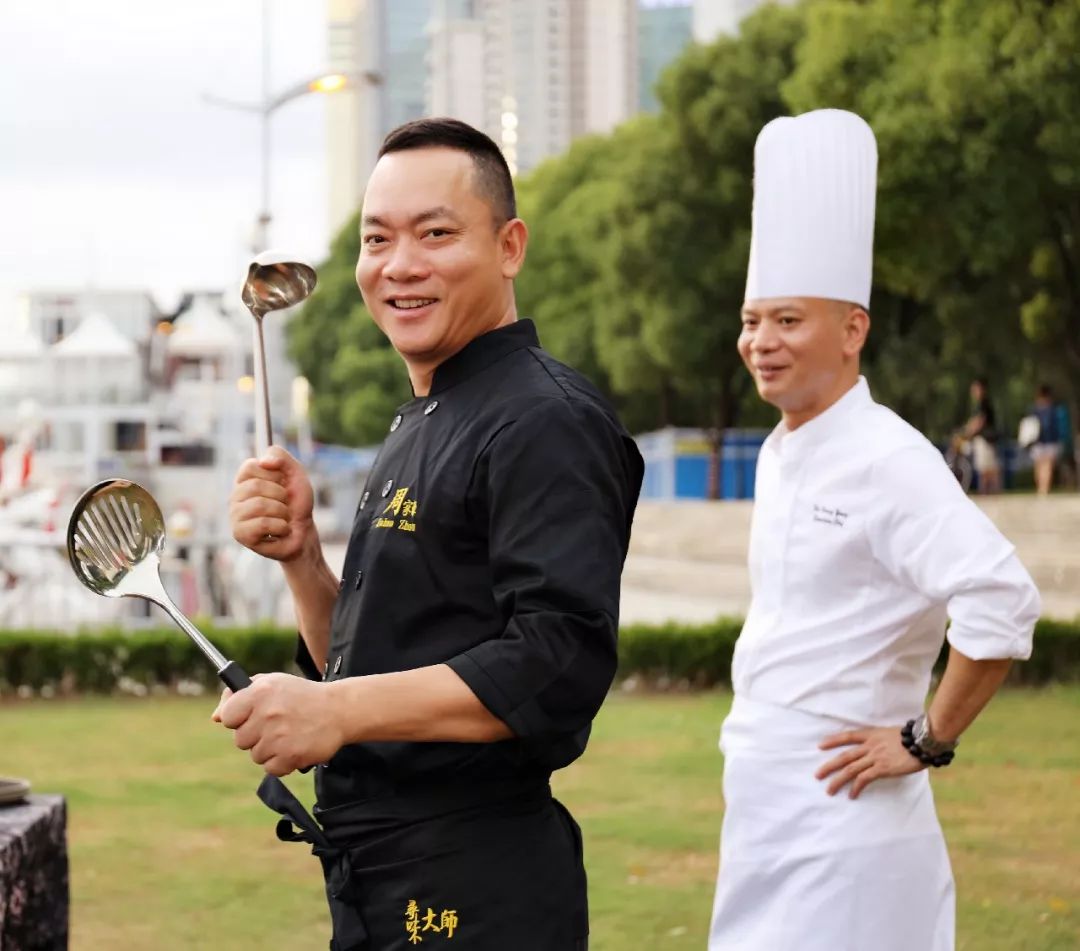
point(115, 537)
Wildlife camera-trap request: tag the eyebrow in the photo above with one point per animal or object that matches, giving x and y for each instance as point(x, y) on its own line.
point(771, 312)
point(441, 211)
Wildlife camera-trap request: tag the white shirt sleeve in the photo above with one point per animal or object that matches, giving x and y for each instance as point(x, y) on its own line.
point(930, 536)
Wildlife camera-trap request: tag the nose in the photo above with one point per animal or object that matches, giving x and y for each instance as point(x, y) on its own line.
point(766, 337)
point(406, 262)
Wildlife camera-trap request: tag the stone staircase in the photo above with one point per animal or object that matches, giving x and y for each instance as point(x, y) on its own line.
point(687, 559)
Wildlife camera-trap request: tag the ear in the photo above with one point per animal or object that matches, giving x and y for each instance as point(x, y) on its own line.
point(856, 327)
point(513, 239)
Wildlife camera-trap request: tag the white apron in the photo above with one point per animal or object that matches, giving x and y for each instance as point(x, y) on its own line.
point(804, 871)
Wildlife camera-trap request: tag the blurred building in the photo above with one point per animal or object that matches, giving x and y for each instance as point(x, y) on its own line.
point(353, 116)
point(455, 83)
point(533, 74)
point(104, 384)
point(556, 70)
point(664, 29)
point(109, 385)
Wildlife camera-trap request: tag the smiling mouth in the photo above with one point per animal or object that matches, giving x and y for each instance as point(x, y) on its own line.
point(412, 303)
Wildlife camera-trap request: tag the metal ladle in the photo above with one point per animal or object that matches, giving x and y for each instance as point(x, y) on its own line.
point(115, 538)
point(275, 281)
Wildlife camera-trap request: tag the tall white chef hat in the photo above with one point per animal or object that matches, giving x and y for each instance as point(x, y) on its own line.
point(815, 177)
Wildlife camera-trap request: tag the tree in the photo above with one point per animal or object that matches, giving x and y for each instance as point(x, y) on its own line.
point(975, 110)
point(683, 221)
point(568, 283)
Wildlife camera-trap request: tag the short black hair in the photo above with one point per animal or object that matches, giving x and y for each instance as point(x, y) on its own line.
point(1046, 391)
point(493, 180)
point(982, 381)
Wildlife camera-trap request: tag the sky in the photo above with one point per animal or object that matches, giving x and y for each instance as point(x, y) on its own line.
point(114, 171)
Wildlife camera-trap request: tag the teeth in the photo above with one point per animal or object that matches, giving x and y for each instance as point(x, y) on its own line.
point(412, 304)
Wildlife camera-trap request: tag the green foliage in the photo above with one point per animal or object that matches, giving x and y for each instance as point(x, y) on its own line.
point(684, 216)
point(111, 660)
point(639, 239)
point(976, 262)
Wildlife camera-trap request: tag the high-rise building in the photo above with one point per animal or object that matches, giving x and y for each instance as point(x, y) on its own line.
point(352, 115)
point(664, 29)
point(554, 70)
point(404, 64)
point(388, 37)
point(455, 73)
point(611, 64)
point(533, 74)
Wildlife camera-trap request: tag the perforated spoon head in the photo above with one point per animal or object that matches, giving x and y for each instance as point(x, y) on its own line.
point(115, 527)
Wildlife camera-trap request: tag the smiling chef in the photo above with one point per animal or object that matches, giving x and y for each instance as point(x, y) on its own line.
point(863, 548)
point(460, 657)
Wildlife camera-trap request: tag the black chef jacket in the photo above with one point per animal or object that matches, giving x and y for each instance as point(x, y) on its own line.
point(490, 537)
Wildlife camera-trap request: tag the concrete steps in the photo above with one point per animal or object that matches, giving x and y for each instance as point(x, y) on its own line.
point(689, 558)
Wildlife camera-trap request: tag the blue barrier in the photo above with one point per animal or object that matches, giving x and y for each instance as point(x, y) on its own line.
point(678, 462)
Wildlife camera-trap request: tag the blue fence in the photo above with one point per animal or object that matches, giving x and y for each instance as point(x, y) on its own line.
point(677, 463)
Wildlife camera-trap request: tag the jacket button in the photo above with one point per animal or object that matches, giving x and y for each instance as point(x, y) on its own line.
point(431, 407)
point(359, 578)
point(397, 422)
point(337, 664)
point(386, 488)
point(364, 498)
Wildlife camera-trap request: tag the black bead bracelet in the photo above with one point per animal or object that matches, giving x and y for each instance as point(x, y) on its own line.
point(907, 737)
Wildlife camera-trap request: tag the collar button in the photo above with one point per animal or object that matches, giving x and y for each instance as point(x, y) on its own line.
point(431, 407)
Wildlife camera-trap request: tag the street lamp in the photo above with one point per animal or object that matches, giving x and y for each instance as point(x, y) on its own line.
point(324, 83)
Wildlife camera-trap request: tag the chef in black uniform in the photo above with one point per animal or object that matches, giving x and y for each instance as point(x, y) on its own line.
point(470, 642)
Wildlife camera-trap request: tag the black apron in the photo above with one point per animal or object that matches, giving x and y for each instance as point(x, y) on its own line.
point(496, 867)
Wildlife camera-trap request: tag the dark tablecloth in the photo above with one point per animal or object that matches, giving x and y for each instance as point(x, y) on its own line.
point(34, 875)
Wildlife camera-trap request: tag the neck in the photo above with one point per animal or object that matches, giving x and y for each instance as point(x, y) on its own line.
point(793, 419)
point(422, 370)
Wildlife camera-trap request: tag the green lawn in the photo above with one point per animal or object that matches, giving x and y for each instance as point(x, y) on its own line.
point(170, 849)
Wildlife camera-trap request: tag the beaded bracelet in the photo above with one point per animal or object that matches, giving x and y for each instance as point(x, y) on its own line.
point(907, 737)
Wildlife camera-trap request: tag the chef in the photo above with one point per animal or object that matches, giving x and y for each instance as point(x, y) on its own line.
point(461, 655)
point(863, 549)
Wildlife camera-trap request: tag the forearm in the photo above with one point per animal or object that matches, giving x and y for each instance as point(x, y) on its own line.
point(430, 704)
point(965, 689)
point(314, 589)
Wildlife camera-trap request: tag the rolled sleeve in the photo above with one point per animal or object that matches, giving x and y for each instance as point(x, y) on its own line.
point(932, 537)
point(559, 485)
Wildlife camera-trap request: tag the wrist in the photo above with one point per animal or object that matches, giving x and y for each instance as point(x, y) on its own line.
point(310, 551)
point(948, 737)
point(341, 708)
point(354, 710)
point(921, 743)
point(308, 567)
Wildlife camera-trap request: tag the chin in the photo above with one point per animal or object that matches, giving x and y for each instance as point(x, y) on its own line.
point(771, 393)
point(409, 336)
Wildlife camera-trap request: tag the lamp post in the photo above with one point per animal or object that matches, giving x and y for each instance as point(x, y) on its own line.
point(324, 83)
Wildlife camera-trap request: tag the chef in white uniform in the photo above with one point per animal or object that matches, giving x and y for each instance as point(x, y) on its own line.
point(862, 548)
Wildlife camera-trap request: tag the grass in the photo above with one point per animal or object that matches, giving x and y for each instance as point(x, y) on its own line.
point(171, 850)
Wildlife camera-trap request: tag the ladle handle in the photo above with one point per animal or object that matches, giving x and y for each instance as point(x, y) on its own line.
point(264, 430)
point(234, 676)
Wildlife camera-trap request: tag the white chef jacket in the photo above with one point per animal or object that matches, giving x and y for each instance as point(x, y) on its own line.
point(862, 545)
